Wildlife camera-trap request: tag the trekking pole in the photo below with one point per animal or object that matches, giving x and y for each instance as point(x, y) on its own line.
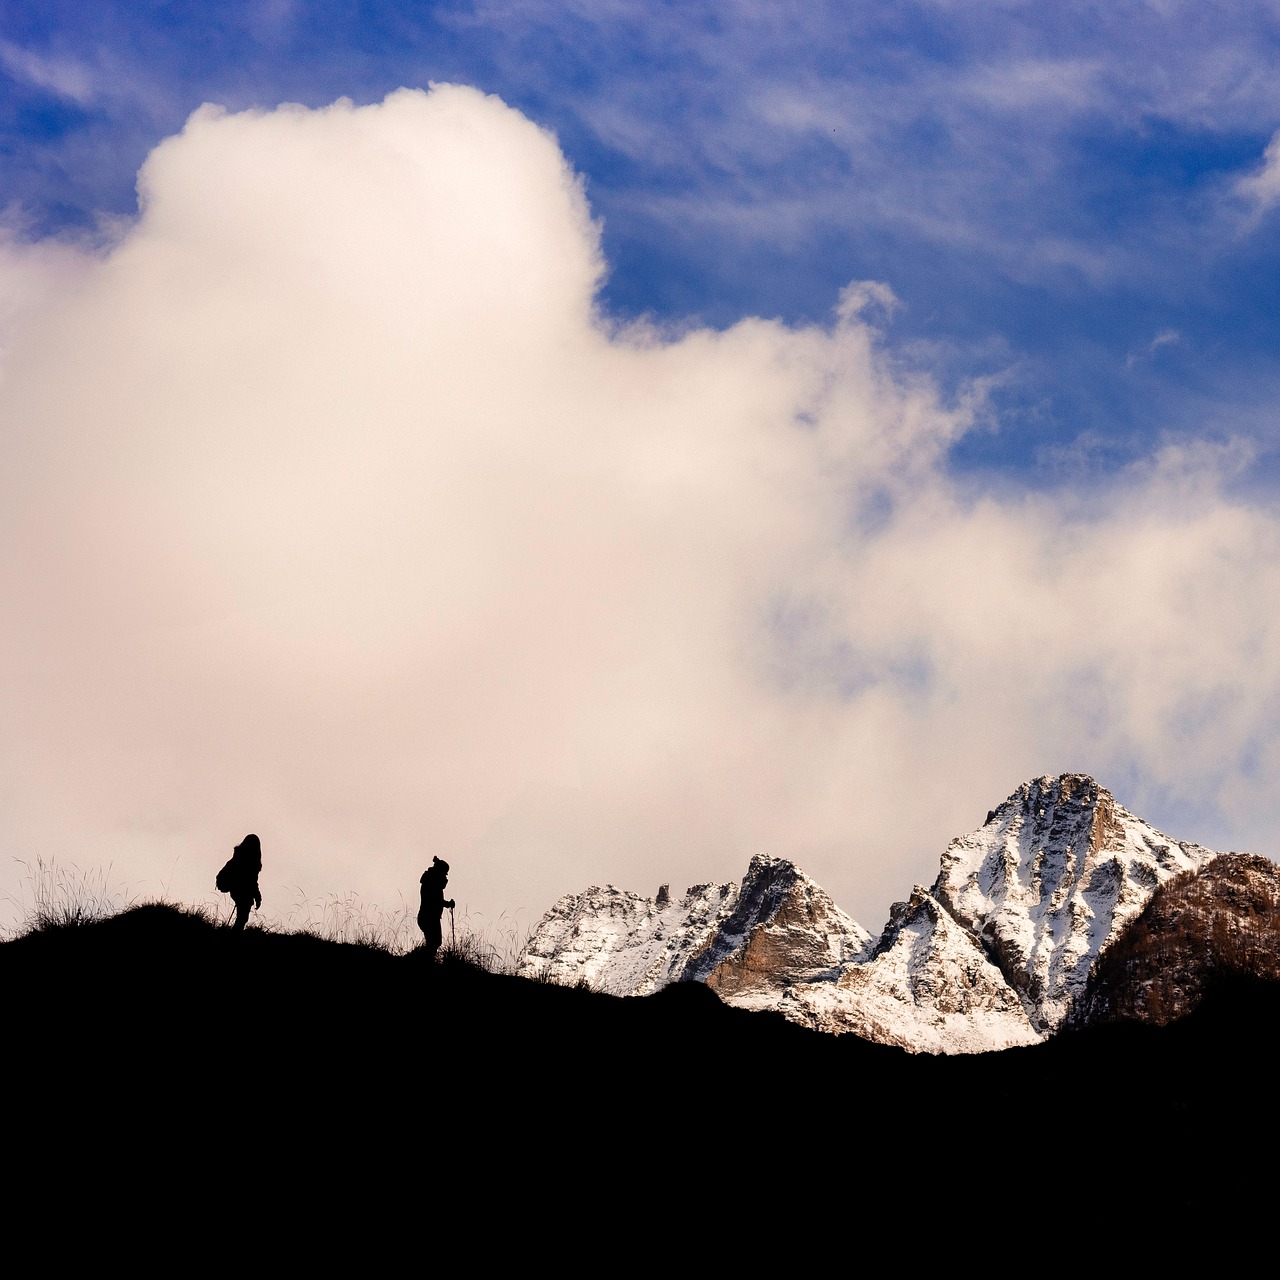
point(453, 934)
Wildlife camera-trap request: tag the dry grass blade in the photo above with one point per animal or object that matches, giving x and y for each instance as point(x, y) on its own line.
point(493, 946)
point(348, 918)
point(58, 897)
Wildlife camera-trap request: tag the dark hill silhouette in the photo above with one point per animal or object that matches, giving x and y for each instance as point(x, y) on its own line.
point(362, 1081)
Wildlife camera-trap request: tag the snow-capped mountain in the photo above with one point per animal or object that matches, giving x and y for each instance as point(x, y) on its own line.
point(1051, 879)
point(994, 954)
point(777, 926)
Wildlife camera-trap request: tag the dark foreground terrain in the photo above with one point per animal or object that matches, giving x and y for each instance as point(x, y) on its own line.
point(160, 1064)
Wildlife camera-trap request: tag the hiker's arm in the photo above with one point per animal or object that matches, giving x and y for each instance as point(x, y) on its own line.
point(257, 898)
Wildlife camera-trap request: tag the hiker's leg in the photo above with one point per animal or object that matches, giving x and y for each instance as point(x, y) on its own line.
point(242, 913)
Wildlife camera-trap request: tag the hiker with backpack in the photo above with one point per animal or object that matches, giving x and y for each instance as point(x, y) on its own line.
point(433, 881)
point(239, 878)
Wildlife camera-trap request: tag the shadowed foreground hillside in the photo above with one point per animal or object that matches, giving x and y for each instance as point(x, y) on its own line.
point(157, 1042)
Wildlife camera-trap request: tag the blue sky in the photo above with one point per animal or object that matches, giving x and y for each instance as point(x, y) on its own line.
point(637, 602)
point(1049, 191)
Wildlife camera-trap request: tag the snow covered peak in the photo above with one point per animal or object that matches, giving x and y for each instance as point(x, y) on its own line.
point(727, 935)
point(1051, 877)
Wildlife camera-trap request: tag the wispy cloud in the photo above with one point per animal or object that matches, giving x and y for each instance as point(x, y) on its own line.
point(1165, 338)
point(1070, 85)
point(65, 77)
point(1261, 188)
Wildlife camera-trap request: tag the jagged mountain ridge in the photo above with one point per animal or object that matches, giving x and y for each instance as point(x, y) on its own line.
point(776, 922)
point(996, 953)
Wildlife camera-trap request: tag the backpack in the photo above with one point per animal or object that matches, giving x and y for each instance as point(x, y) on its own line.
point(226, 877)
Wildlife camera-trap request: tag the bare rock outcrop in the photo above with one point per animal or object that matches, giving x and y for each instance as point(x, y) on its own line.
point(1199, 927)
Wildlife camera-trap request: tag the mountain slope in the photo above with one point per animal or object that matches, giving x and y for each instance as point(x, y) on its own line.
point(154, 1042)
point(1222, 921)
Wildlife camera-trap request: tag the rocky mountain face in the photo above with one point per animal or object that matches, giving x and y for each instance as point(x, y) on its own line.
point(997, 952)
point(1222, 921)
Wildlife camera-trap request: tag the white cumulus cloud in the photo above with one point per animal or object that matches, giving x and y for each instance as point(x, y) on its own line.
point(333, 510)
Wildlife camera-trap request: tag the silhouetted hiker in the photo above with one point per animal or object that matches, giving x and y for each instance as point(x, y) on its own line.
point(239, 878)
point(434, 879)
